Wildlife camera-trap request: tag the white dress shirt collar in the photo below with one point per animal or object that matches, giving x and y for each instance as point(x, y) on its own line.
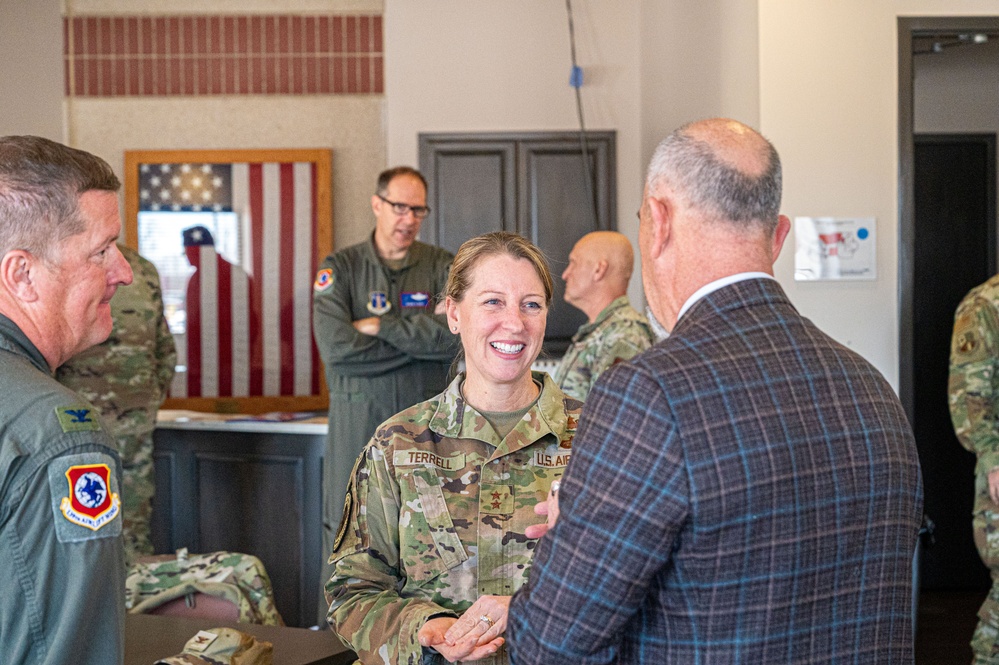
point(717, 284)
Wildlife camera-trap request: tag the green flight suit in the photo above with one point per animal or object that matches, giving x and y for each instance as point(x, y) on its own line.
point(62, 594)
point(437, 513)
point(372, 378)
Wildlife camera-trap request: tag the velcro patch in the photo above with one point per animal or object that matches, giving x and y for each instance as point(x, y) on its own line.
point(424, 458)
point(85, 497)
point(550, 461)
point(967, 344)
point(324, 280)
point(495, 499)
point(77, 418)
point(414, 299)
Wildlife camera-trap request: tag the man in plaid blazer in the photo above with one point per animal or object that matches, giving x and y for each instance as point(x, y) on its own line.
point(747, 491)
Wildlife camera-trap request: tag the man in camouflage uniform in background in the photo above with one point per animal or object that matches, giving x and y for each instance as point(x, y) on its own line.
point(435, 518)
point(126, 378)
point(974, 407)
point(596, 281)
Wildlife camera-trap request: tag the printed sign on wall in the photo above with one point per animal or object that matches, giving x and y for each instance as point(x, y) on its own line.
point(828, 248)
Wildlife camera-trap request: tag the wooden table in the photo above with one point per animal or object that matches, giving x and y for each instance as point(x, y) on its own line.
point(149, 637)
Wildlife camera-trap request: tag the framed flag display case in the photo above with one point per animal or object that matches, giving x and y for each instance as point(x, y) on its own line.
point(236, 236)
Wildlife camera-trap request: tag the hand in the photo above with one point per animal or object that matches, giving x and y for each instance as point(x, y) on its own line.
point(368, 326)
point(433, 632)
point(548, 507)
point(994, 485)
point(440, 308)
point(472, 635)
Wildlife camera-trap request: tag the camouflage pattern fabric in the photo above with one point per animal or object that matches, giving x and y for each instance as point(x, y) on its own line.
point(126, 378)
point(619, 333)
point(223, 646)
point(239, 578)
point(435, 517)
point(973, 395)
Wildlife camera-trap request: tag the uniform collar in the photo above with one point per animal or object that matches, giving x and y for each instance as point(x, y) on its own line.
point(412, 256)
point(605, 313)
point(14, 340)
point(455, 418)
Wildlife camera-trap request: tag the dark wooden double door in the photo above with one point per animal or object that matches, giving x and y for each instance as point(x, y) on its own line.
point(534, 184)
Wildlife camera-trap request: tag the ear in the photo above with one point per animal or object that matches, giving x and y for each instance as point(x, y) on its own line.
point(600, 270)
point(376, 204)
point(451, 311)
point(780, 235)
point(16, 268)
point(661, 210)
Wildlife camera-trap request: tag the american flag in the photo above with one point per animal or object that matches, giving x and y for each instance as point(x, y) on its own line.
point(249, 327)
point(185, 187)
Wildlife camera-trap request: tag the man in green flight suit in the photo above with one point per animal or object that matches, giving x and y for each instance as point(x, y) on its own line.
point(973, 391)
point(380, 331)
point(596, 282)
point(62, 595)
point(127, 378)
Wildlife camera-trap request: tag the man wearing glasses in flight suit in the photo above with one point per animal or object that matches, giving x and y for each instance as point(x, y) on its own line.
point(380, 331)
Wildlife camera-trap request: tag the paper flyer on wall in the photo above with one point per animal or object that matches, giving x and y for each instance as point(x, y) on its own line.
point(835, 248)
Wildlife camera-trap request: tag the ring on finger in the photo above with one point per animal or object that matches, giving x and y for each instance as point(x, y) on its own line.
point(489, 621)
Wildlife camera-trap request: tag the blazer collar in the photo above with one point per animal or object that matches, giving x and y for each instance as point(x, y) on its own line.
point(736, 295)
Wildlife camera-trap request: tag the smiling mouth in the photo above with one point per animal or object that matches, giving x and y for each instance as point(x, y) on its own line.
point(507, 348)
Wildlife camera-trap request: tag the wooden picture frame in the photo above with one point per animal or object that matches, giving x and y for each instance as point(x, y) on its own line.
point(244, 334)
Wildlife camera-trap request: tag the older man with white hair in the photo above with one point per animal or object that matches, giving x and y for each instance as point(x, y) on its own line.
point(746, 491)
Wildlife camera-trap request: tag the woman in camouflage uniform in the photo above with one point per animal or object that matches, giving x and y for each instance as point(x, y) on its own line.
point(433, 543)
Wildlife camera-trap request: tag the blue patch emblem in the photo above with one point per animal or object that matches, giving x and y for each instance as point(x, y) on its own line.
point(415, 299)
point(86, 503)
point(378, 303)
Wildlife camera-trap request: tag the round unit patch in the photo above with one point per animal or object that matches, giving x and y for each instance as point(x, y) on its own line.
point(90, 503)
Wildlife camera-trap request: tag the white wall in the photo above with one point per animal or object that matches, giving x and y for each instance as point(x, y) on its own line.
point(698, 60)
point(31, 71)
point(828, 101)
point(649, 66)
point(479, 65)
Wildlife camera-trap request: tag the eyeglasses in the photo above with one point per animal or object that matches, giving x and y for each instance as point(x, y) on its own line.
point(419, 212)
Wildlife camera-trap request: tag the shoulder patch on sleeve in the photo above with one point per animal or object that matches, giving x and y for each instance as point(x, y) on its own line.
point(85, 497)
point(77, 418)
point(324, 280)
point(975, 329)
point(349, 505)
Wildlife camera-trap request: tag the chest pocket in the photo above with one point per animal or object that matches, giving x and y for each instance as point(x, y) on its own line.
point(446, 540)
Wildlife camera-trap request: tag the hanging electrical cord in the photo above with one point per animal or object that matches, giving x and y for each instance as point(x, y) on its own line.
point(576, 81)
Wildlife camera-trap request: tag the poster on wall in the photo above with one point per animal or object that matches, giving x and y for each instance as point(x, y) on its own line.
point(835, 248)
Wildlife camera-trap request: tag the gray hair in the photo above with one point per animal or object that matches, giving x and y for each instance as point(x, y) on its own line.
point(40, 186)
point(690, 167)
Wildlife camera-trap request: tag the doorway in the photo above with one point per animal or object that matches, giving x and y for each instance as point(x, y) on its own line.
point(954, 249)
point(947, 227)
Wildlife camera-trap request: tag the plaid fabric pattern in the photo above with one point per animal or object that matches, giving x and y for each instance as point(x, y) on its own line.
point(747, 491)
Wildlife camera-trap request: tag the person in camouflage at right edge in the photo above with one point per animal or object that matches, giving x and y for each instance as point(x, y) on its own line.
point(435, 534)
point(596, 281)
point(974, 408)
point(126, 378)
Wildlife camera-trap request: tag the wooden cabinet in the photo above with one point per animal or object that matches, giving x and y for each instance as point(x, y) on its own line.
point(246, 487)
point(533, 183)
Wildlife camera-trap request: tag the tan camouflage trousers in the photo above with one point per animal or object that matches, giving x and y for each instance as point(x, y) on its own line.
point(137, 489)
point(985, 641)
